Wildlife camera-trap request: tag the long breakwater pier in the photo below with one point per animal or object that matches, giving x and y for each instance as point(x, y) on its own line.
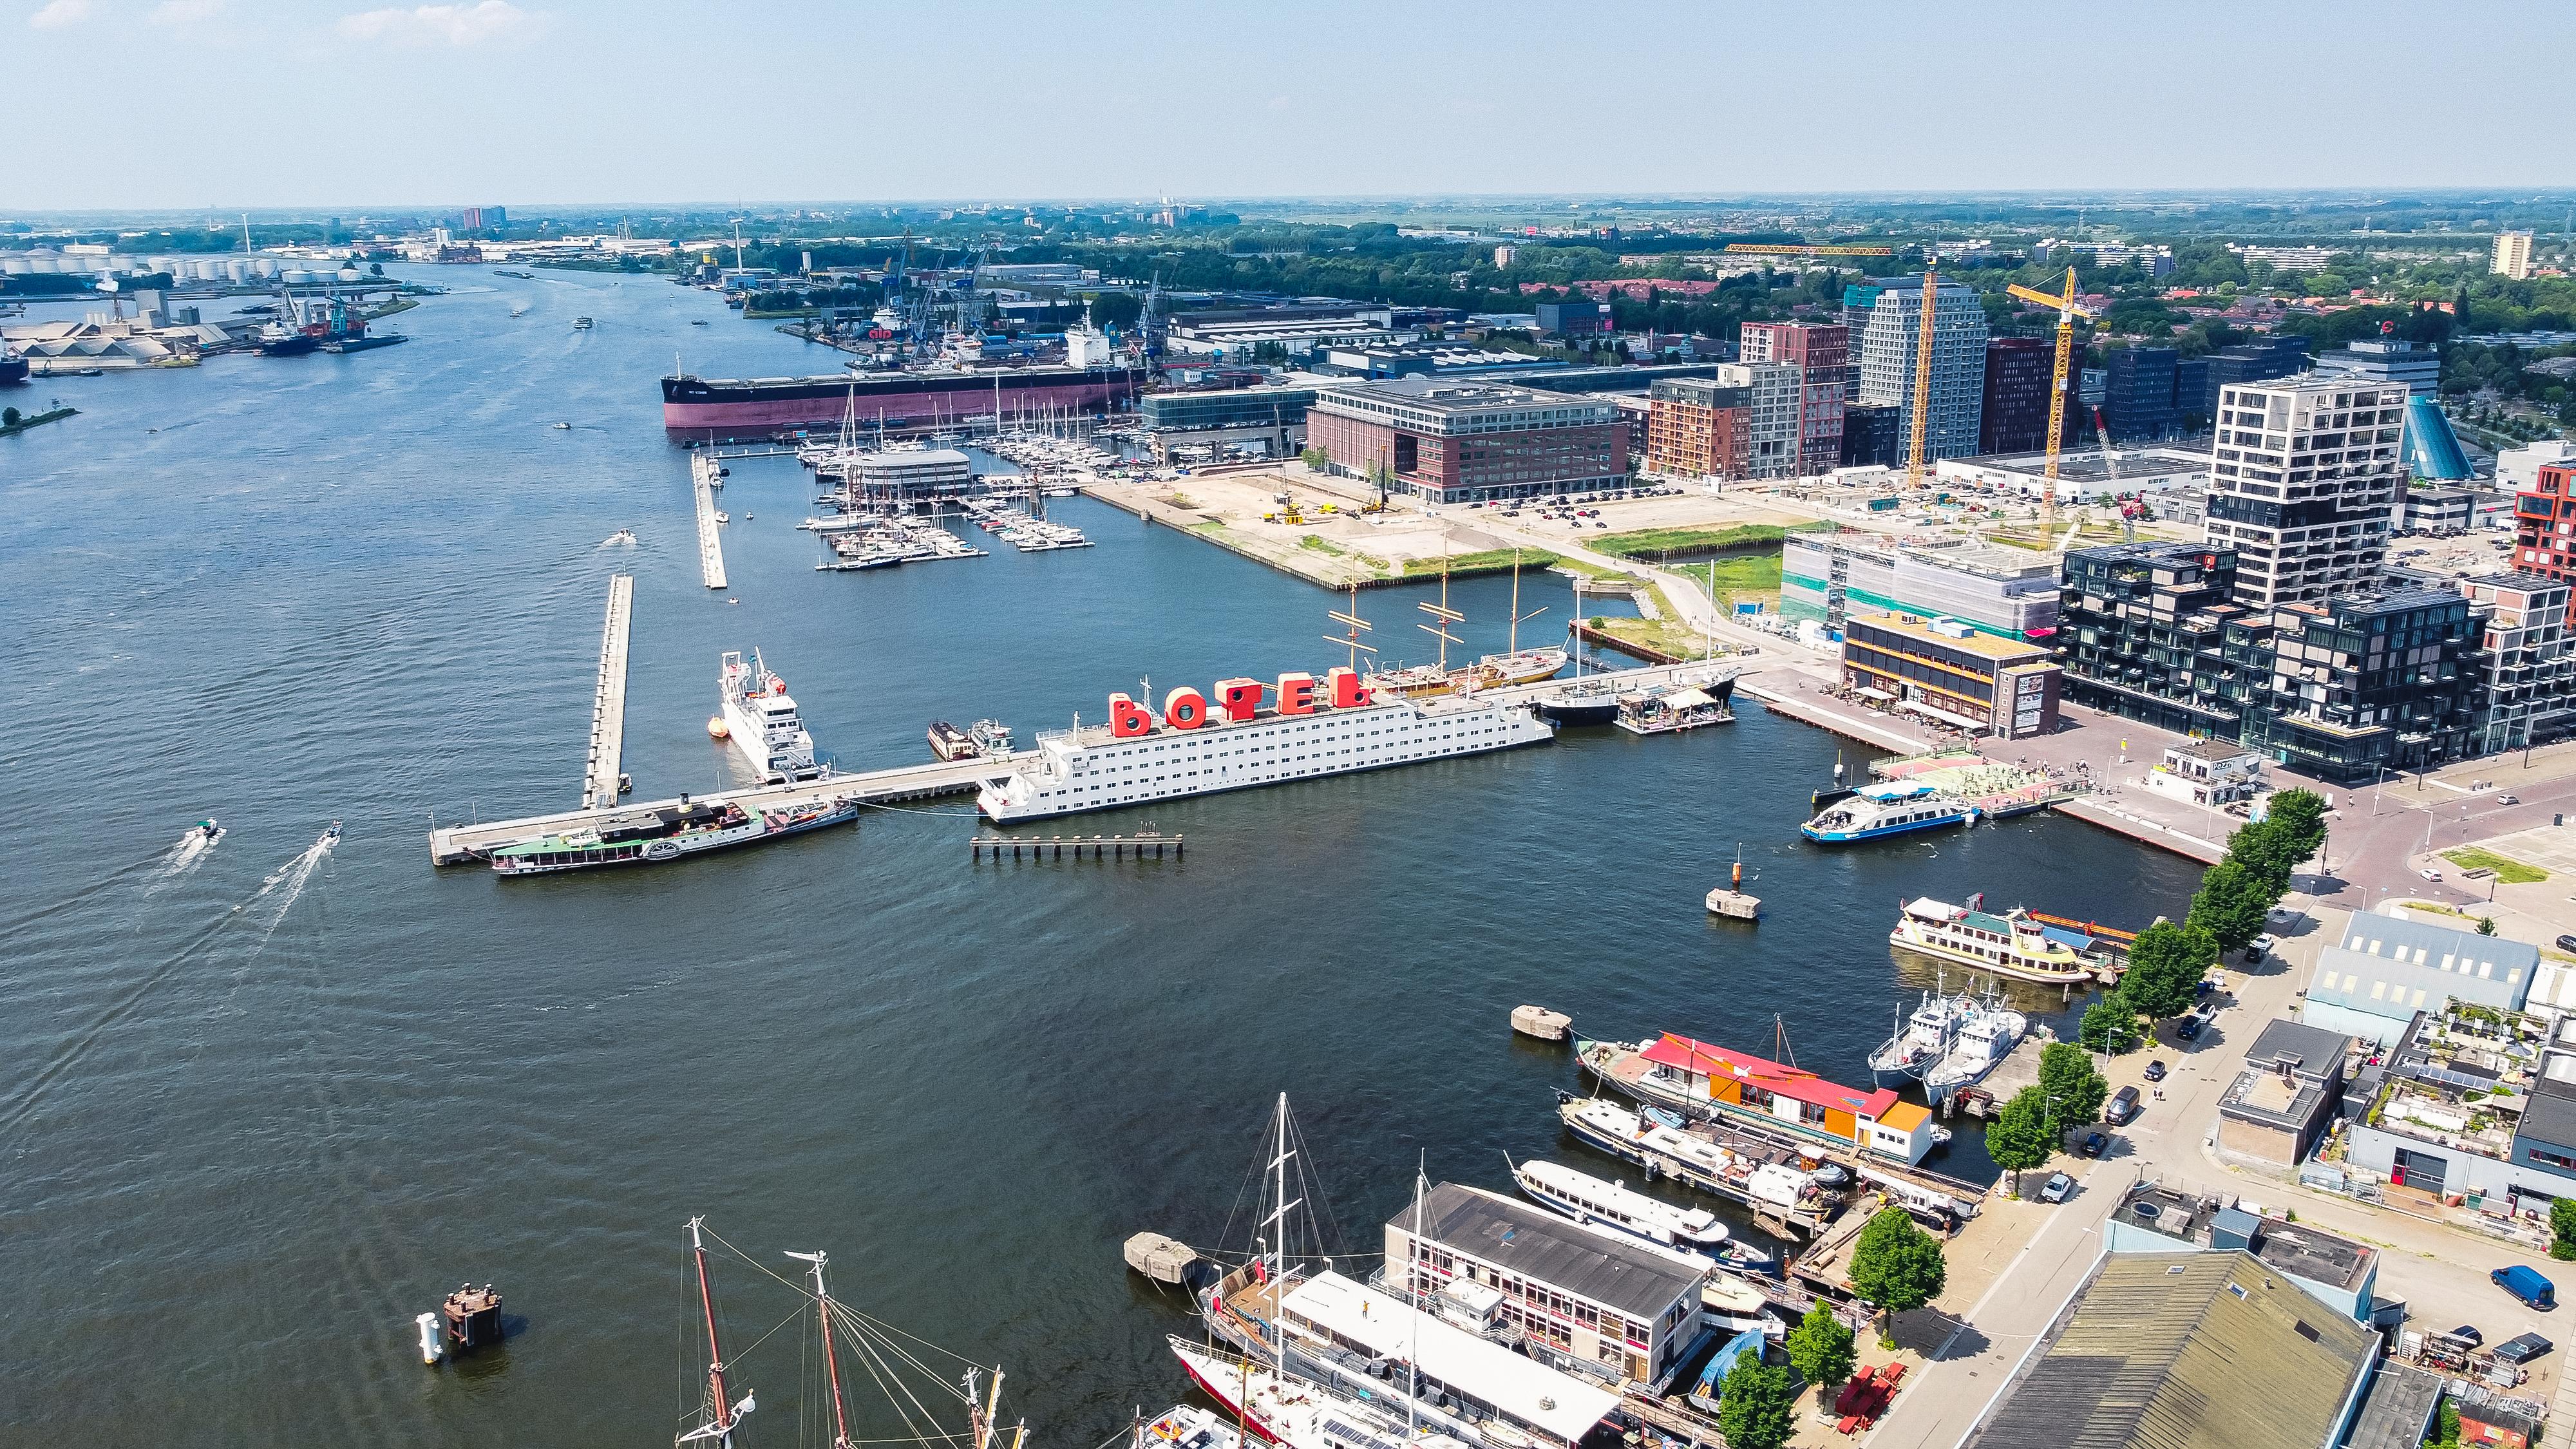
point(600, 786)
point(706, 475)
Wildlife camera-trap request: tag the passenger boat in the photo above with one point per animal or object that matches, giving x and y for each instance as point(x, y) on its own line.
point(581, 324)
point(1588, 1199)
point(1668, 1151)
point(1919, 1042)
point(1986, 1037)
point(2011, 944)
point(652, 837)
point(761, 720)
point(1663, 711)
point(1874, 812)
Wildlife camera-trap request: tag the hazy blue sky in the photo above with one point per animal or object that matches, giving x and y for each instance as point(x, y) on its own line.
point(234, 103)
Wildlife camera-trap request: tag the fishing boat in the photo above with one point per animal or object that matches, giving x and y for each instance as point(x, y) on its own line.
point(1987, 1036)
point(1588, 1199)
point(1874, 812)
point(2012, 944)
point(761, 720)
point(1919, 1041)
point(668, 833)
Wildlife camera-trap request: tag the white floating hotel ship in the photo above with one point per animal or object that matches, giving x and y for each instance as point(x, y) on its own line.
point(1139, 758)
point(761, 720)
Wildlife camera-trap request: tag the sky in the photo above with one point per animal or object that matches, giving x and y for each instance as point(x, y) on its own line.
point(228, 104)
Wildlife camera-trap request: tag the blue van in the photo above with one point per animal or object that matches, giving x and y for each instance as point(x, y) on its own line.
point(2535, 1291)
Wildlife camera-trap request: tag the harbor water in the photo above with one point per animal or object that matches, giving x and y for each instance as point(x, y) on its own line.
point(260, 1106)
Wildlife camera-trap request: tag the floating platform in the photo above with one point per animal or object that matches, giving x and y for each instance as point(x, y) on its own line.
point(1165, 1260)
point(604, 780)
point(1735, 905)
point(1541, 1023)
point(1101, 847)
point(705, 477)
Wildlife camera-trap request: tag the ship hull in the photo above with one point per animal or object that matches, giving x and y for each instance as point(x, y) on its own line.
point(1881, 832)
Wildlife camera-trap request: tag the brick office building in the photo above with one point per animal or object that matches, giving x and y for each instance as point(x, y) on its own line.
point(1821, 351)
point(1449, 441)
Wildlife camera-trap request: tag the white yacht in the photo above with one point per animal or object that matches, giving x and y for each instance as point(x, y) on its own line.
point(1986, 1037)
point(761, 720)
point(1149, 758)
point(1588, 1199)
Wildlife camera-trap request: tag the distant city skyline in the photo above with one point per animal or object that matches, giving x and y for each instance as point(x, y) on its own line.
point(308, 103)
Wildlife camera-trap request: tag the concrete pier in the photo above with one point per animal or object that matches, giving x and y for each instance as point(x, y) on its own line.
point(703, 479)
point(608, 705)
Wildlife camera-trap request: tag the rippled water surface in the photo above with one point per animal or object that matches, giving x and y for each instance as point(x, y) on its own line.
point(259, 1107)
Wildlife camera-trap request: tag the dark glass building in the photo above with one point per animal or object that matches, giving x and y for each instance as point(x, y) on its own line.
point(2140, 404)
point(1873, 435)
point(2015, 417)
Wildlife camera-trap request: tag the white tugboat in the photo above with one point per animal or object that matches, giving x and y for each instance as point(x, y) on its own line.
point(1986, 1037)
point(762, 722)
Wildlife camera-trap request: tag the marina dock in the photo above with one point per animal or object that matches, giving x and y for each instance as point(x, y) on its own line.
point(608, 705)
point(705, 478)
point(466, 844)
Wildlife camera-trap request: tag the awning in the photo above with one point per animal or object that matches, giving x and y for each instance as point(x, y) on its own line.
point(1961, 720)
point(1687, 699)
point(2075, 941)
point(1867, 693)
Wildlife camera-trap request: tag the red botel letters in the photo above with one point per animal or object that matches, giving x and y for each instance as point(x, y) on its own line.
point(1127, 718)
point(1345, 688)
point(1185, 708)
point(1239, 697)
point(1296, 694)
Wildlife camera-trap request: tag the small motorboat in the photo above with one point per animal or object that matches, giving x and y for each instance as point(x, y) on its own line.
point(723, 517)
point(1830, 1174)
point(566, 426)
point(200, 835)
point(1940, 1137)
point(624, 537)
point(697, 321)
point(1737, 1255)
point(330, 836)
point(1663, 1117)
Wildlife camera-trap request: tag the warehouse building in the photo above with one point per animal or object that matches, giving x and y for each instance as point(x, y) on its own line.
point(1946, 671)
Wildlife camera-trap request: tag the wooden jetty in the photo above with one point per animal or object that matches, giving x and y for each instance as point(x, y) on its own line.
point(600, 786)
point(705, 477)
point(1053, 847)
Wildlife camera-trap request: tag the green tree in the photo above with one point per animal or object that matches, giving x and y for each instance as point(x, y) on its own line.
point(8, 417)
point(1758, 1409)
point(2075, 1091)
point(2110, 1026)
point(2562, 1228)
point(1315, 458)
point(2295, 822)
point(1896, 1265)
point(2486, 925)
point(2166, 964)
point(2232, 904)
point(1821, 1350)
point(2022, 1135)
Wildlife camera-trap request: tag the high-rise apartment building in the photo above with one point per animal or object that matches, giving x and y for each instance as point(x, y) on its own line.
point(1697, 427)
point(1888, 356)
point(2512, 255)
point(2013, 417)
point(2530, 669)
point(2303, 476)
point(2140, 406)
point(1772, 392)
point(1860, 299)
point(2544, 524)
point(1821, 351)
point(2385, 359)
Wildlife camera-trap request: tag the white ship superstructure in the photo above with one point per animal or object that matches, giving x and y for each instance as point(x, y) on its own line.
point(1097, 767)
point(761, 720)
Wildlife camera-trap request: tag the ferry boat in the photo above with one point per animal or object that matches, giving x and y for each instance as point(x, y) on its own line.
point(2011, 944)
point(1874, 812)
point(1922, 1040)
point(982, 738)
point(1988, 1036)
point(652, 837)
point(1588, 1199)
point(1197, 748)
point(762, 722)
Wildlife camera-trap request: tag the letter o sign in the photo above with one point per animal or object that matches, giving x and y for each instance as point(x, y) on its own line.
point(1185, 708)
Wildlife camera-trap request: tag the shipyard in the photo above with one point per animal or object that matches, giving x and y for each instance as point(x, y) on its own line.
point(1913, 785)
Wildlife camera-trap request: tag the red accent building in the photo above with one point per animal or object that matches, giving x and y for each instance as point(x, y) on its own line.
point(2544, 524)
point(1698, 428)
point(1821, 352)
point(1451, 441)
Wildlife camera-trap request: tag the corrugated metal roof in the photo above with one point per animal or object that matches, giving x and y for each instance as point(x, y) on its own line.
point(2210, 1352)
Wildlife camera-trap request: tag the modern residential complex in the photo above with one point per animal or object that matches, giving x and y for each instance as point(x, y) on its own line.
point(1449, 441)
point(2527, 691)
point(2009, 593)
point(1821, 351)
point(1698, 428)
point(2304, 475)
point(1888, 359)
point(2544, 523)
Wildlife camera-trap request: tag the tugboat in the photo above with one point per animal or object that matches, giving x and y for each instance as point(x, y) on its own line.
point(1924, 1038)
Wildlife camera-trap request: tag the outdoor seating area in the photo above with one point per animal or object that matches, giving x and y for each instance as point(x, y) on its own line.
point(1863, 1401)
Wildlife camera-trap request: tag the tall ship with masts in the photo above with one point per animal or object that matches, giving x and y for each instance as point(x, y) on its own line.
point(1514, 665)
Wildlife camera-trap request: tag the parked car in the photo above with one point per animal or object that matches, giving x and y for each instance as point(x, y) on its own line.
point(2094, 1144)
point(2122, 1106)
point(2567, 943)
point(2058, 1186)
point(2430, 874)
point(2522, 1348)
point(2506, 799)
point(2261, 945)
point(2156, 1070)
point(2188, 1029)
point(2526, 1284)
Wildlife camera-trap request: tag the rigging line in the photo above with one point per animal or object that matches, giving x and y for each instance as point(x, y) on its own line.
point(868, 1344)
point(887, 1328)
point(739, 1354)
point(878, 1371)
point(790, 1283)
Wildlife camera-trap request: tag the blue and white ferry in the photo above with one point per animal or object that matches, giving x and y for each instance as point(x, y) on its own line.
point(1894, 808)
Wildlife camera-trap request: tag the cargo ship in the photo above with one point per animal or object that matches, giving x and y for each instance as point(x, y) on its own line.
point(722, 407)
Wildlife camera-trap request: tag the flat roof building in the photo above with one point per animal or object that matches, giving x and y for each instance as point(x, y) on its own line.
point(1453, 441)
point(1613, 1302)
point(2084, 475)
point(2011, 593)
point(1947, 671)
point(2287, 1093)
point(2336, 1271)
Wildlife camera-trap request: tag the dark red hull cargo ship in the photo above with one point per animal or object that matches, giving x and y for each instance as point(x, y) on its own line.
point(718, 409)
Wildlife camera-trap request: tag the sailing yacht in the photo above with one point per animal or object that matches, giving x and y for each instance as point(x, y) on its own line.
point(1580, 702)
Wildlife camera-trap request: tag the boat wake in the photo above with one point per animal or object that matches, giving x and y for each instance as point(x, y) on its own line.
point(285, 884)
point(622, 538)
point(186, 855)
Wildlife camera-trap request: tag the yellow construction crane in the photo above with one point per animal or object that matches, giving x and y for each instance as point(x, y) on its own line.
point(1922, 385)
point(2067, 311)
point(1760, 249)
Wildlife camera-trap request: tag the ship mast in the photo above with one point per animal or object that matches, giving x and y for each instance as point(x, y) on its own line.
point(831, 1363)
point(1352, 635)
point(1442, 615)
point(1519, 618)
point(720, 1426)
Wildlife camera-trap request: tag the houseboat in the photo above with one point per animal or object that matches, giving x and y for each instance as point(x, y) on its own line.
point(1701, 1080)
point(2011, 944)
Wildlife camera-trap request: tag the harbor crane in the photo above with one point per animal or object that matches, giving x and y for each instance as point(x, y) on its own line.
point(2068, 309)
point(1922, 383)
point(1766, 249)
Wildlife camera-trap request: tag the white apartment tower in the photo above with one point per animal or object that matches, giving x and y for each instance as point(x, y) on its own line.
point(1887, 358)
point(2512, 256)
point(1772, 391)
point(2303, 476)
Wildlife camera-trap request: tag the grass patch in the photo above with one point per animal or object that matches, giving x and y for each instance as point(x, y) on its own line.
point(1664, 542)
point(1665, 633)
point(1491, 561)
point(1745, 576)
point(1209, 526)
point(1322, 545)
point(2507, 870)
